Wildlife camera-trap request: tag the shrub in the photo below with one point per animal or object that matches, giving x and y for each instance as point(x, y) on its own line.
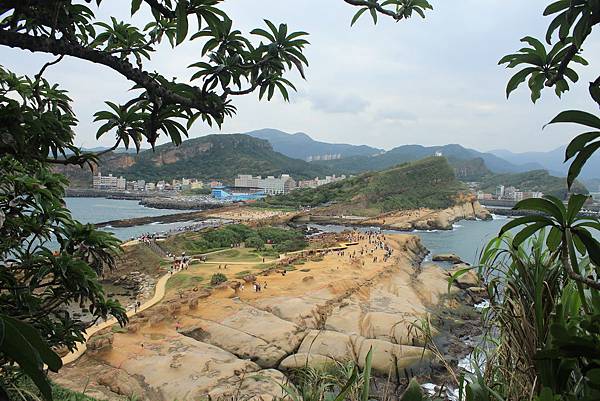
point(217, 279)
point(255, 242)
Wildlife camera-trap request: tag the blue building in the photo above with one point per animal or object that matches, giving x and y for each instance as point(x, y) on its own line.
point(233, 194)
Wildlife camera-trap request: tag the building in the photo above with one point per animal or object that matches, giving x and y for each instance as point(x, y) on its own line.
point(270, 185)
point(104, 182)
point(500, 191)
point(484, 196)
point(121, 184)
point(317, 182)
point(139, 185)
point(438, 154)
point(215, 184)
point(196, 185)
point(150, 186)
point(233, 194)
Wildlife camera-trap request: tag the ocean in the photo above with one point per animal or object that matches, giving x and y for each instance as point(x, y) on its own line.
point(97, 210)
point(467, 238)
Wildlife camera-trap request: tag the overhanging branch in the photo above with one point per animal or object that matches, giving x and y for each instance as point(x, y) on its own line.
point(123, 67)
point(377, 6)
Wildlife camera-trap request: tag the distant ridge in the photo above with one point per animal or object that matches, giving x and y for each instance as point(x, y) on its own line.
point(553, 161)
point(302, 146)
point(209, 157)
point(406, 153)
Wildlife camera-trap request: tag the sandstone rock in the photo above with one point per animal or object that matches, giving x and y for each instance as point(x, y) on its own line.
point(307, 279)
point(250, 278)
point(263, 385)
point(447, 257)
point(118, 381)
point(302, 360)
point(467, 279)
point(100, 342)
point(193, 303)
point(331, 344)
point(239, 343)
point(388, 358)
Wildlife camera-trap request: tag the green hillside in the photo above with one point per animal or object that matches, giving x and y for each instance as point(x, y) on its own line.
point(425, 183)
point(536, 180)
point(210, 157)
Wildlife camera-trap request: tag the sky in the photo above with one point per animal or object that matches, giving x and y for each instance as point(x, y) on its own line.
point(431, 82)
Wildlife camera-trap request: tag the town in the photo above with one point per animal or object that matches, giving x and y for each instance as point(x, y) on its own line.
point(245, 187)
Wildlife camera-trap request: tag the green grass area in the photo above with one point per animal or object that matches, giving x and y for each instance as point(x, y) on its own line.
point(183, 281)
point(235, 255)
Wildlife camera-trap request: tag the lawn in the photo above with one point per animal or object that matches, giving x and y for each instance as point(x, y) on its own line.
point(236, 255)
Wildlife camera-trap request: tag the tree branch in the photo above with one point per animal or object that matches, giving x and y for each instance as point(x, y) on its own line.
point(573, 49)
point(377, 6)
point(124, 67)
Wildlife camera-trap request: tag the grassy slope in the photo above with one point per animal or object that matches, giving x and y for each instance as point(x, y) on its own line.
point(425, 183)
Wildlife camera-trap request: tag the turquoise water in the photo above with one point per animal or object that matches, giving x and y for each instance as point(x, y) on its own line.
point(97, 210)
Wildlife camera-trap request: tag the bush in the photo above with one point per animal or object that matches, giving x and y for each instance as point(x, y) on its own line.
point(217, 279)
point(255, 242)
point(290, 245)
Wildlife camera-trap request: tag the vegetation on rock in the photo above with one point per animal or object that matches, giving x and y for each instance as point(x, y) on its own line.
point(427, 183)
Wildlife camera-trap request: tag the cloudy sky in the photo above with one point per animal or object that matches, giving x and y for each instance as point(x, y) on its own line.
point(431, 82)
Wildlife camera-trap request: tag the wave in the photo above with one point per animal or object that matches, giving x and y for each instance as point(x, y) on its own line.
point(499, 217)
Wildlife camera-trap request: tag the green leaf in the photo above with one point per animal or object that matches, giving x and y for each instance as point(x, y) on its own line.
point(519, 221)
point(579, 142)
point(576, 117)
point(357, 15)
point(373, 12)
point(539, 47)
point(576, 202)
point(591, 244)
point(182, 21)
point(554, 238)
point(364, 396)
point(556, 7)
point(351, 381)
point(413, 392)
point(527, 232)
point(579, 162)
point(541, 205)
point(517, 79)
point(135, 6)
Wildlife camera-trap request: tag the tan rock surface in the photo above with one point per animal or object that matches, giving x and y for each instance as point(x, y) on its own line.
point(211, 346)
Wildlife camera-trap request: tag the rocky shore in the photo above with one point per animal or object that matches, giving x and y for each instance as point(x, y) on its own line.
point(405, 220)
point(181, 203)
point(328, 306)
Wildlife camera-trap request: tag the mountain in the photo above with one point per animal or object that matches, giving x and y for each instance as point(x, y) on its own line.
point(208, 157)
point(552, 161)
point(427, 183)
point(536, 180)
point(405, 153)
point(302, 146)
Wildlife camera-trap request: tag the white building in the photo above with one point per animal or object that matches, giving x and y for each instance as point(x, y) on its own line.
point(104, 182)
point(139, 185)
point(500, 191)
point(121, 184)
point(150, 186)
point(270, 185)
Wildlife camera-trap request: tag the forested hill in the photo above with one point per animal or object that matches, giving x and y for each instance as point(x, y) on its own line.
point(208, 157)
point(425, 183)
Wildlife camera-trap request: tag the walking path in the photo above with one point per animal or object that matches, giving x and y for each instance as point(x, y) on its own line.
point(159, 294)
